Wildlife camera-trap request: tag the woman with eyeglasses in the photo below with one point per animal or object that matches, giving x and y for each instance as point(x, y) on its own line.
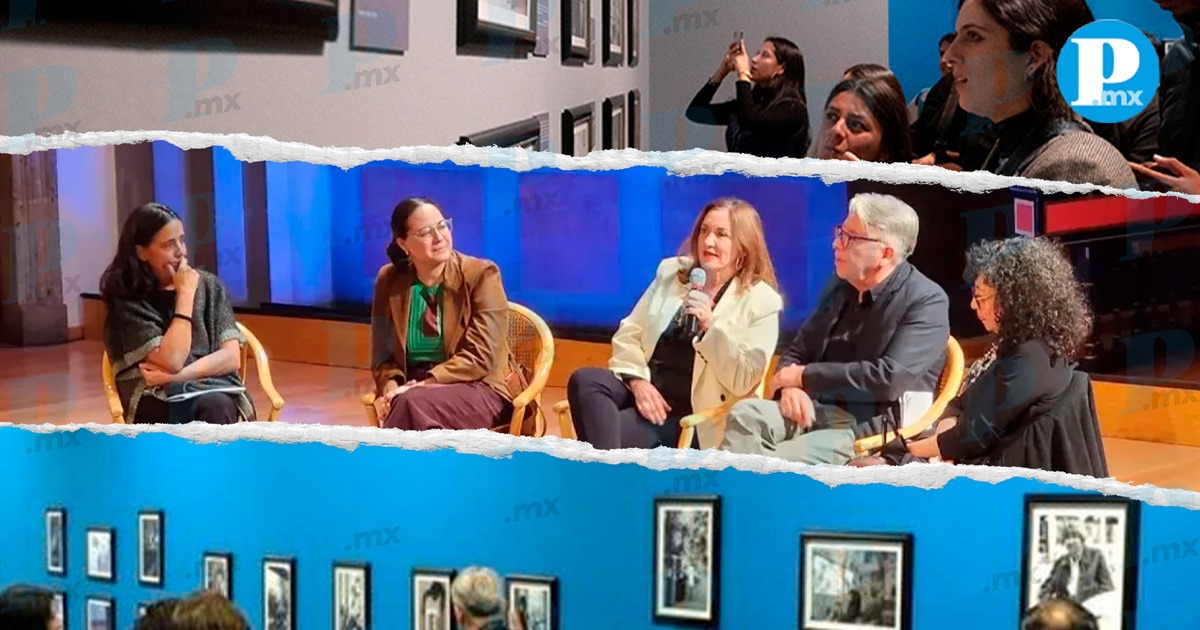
point(1004, 63)
point(687, 346)
point(1026, 296)
point(439, 329)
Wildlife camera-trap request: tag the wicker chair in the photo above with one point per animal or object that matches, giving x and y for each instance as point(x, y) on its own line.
point(532, 346)
point(251, 347)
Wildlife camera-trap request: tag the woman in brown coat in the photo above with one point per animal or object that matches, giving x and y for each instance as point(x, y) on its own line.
point(439, 324)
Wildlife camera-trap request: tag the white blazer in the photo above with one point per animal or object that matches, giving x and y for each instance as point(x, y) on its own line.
point(731, 358)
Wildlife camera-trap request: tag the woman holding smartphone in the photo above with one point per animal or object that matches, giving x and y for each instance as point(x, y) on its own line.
point(769, 117)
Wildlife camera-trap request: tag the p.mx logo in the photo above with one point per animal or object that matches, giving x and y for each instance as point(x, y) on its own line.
point(1108, 71)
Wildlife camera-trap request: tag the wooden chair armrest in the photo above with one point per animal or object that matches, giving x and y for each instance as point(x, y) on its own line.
point(566, 427)
point(875, 442)
point(115, 410)
point(688, 424)
point(368, 401)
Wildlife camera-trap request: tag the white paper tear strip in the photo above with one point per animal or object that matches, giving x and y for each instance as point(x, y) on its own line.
point(499, 445)
point(695, 162)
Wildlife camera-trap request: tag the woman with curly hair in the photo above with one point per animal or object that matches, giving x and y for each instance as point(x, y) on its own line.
point(1027, 296)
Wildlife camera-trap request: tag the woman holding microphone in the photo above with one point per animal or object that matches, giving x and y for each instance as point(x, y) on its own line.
point(769, 117)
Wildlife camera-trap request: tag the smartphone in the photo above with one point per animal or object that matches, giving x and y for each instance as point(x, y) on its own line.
point(737, 36)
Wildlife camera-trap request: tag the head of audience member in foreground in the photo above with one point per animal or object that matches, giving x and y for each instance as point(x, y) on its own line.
point(1004, 56)
point(1059, 614)
point(420, 235)
point(879, 233)
point(150, 250)
point(477, 596)
point(1025, 289)
point(207, 610)
point(25, 607)
point(158, 616)
point(727, 241)
point(866, 71)
point(866, 120)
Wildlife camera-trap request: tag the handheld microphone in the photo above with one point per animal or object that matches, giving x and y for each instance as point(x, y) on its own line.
point(691, 325)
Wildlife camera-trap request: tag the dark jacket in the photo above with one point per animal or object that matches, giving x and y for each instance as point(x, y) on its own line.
point(1057, 150)
point(1093, 578)
point(754, 123)
point(1179, 100)
point(944, 126)
point(902, 347)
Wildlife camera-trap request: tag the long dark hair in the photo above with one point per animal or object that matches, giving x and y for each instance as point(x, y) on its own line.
point(400, 216)
point(791, 84)
point(1049, 21)
point(127, 277)
point(884, 97)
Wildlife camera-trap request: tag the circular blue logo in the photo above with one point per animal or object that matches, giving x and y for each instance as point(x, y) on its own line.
point(1108, 71)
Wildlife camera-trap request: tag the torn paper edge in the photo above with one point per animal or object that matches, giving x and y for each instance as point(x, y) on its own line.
point(499, 445)
point(249, 148)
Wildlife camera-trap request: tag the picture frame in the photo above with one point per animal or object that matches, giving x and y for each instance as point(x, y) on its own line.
point(100, 613)
point(351, 596)
point(101, 554)
point(58, 607)
point(614, 120)
point(379, 26)
point(56, 540)
point(633, 17)
point(218, 573)
point(612, 25)
point(577, 34)
point(431, 599)
point(534, 599)
point(578, 130)
point(150, 548)
point(855, 580)
point(525, 134)
point(279, 593)
point(634, 106)
point(687, 560)
point(1096, 534)
point(488, 22)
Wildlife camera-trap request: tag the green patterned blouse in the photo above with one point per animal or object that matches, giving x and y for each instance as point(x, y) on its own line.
point(423, 347)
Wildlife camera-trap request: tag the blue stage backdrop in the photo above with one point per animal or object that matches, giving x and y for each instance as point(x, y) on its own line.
point(400, 509)
point(578, 247)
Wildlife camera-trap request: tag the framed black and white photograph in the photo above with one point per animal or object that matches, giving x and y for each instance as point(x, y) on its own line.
point(1082, 548)
point(56, 541)
point(533, 600)
point(526, 134)
point(492, 22)
point(633, 14)
point(687, 550)
point(379, 25)
point(58, 608)
point(431, 599)
point(279, 594)
point(351, 596)
point(612, 21)
point(851, 581)
point(101, 555)
point(100, 613)
point(615, 117)
point(218, 574)
point(150, 547)
point(634, 106)
point(576, 39)
point(578, 131)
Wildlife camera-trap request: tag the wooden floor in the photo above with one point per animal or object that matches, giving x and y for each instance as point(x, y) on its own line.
point(61, 385)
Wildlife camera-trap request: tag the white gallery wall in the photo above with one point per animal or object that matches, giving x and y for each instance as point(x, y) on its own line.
point(430, 95)
point(688, 39)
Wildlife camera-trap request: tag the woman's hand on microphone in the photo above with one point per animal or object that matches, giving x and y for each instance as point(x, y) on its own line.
point(698, 303)
point(650, 403)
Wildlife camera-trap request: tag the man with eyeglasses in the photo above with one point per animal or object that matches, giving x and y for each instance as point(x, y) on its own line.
point(876, 342)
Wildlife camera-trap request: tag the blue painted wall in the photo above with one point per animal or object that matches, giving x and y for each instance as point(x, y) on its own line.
point(452, 510)
point(915, 26)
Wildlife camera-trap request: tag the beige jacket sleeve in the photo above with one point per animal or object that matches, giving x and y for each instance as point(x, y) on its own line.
point(629, 356)
point(738, 354)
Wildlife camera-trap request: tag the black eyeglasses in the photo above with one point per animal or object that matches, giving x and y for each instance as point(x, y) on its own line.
point(844, 238)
